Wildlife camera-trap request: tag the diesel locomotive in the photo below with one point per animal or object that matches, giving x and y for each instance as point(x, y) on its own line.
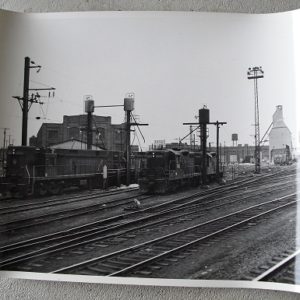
point(167, 170)
point(41, 171)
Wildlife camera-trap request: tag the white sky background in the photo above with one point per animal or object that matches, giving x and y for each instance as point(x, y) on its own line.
point(174, 62)
point(296, 26)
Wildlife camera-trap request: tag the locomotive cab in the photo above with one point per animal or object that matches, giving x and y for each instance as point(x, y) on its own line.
point(20, 169)
point(166, 170)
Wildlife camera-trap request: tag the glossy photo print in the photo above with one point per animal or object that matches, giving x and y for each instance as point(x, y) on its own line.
point(150, 145)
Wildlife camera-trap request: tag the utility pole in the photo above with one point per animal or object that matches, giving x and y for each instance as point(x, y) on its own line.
point(256, 73)
point(218, 152)
point(128, 152)
point(191, 136)
point(225, 153)
point(26, 102)
point(3, 150)
point(4, 137)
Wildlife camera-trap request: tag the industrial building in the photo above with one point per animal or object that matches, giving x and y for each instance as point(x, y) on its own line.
point(242, 153)
point(73, 128)
point(280, 138)
point(228, 154)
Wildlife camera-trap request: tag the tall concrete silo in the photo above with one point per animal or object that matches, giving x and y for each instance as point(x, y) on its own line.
point(280, 139)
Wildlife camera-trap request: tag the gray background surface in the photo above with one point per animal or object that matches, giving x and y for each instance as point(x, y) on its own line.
point(28, 289)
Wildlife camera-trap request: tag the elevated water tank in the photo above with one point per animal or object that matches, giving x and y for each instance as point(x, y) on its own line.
point(129, 102)
point(89, 104)
point(203, 115)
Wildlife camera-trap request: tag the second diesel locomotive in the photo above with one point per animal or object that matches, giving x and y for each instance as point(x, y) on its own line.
point(166, 170)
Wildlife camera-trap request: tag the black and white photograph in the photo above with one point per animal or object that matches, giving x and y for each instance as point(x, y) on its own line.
point(150, 145)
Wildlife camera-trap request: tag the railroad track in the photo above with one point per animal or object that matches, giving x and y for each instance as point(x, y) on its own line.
point(180, 210)
point(25, 222)
point(144, 258)
point(284, 271)
point(25, 206)
point(47, 217)
point(13, 209)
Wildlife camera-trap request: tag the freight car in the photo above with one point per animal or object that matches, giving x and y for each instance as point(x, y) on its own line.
point(167, 170)
point(41, 171)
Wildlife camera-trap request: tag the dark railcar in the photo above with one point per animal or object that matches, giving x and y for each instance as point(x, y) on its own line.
point(167, 170)
point(48, 171)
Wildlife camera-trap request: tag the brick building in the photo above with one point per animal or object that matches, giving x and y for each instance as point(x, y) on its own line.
point(105, 135)
point(228, 154)
point(241, 153)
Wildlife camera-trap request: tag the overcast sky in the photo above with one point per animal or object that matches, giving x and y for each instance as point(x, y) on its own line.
point(174, 62)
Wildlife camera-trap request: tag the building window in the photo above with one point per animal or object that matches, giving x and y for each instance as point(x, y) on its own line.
point(101, 131)
point(52, 134)
point(74, 133)
point(118, 134)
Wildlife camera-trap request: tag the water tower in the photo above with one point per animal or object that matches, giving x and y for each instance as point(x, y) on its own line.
point(89, 109)
point(203, 122)
point(234, 138)
point(128, 107)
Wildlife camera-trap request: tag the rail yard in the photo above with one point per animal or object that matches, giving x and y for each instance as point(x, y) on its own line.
point(237, 230)
point(82, 199)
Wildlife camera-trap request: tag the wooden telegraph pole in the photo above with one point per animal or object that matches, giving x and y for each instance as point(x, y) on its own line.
point(26, 102)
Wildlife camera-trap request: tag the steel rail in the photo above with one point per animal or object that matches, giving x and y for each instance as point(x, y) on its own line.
point(178, 233)
point(77, 212)
point(53, 202)
point(233, 185)
point(159, 206)
point(265, 276)
point(91, 232)
point(79, 240)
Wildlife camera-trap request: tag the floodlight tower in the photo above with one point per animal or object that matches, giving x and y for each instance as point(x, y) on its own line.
point(256, 73)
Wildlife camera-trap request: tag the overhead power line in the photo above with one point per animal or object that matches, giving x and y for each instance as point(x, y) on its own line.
point(26, 101)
